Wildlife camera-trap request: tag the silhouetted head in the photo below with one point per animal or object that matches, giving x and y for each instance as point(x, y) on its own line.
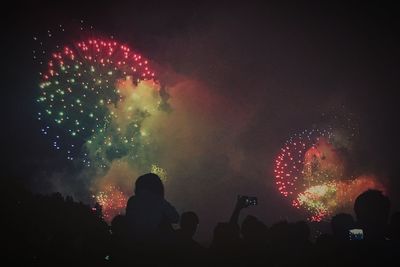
point(279, 232)
point(225, 235)
point(149, 182)
point(300, 231)
point(341, 224)
point(253, 229)
point(372, 210)
point(189, 222)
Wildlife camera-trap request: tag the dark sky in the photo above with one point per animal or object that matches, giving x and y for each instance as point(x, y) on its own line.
point(293, 58)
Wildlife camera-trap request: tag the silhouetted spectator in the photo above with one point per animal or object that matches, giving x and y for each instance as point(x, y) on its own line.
point(148, 214)
point(254, 237)
point(119, 240)
point(299, 244)
point(253, 231)
point(98, 210)
point(187, 247)
point(225, 245)
point(241, 203)
point(341, 224)
point(279, 241)
point(372, 210)
point(188, 225)
point(395, 227)
point(279, 233)
point(300, 232)
point(44, 230)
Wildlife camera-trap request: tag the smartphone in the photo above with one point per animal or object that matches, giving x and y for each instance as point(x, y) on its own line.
point(250, 201)
point(356, 234)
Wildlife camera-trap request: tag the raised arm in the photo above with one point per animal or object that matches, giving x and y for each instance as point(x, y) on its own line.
point(240, 204)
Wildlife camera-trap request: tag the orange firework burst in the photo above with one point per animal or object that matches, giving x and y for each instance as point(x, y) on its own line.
point(112, 200)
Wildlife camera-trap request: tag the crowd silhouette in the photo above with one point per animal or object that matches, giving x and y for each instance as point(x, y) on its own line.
point(42, 230)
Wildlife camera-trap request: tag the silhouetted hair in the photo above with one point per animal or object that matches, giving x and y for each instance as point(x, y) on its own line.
point(149, 182)
point(249, 224)
point(189, 219)
point(253, 230)
point(372, 206)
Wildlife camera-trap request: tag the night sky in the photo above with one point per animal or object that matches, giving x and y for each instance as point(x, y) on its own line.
point(278, 67)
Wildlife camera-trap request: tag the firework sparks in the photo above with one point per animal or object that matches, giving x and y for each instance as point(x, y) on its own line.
point(96, 99)
point(310, 171)
point(160, 172)
point(290, 164)
point(79, 90)
point(112, 200)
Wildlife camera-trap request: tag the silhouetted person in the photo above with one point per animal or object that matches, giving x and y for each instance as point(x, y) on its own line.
point(119, 226)
point(225, 245)
point(372, 210)
point(279, 241)
point(341, 224)
point(395, 227)
point(98, 210)
point(119, 239)
point(299, 243)
point(241, 203)
point(254, 236)
point(253, 231)
point(188, 225)
point(300, 232)
point(227, 235)
point(187, 247)
point(149, 215)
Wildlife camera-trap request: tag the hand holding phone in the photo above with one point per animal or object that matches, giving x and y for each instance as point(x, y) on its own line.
point(245, 201)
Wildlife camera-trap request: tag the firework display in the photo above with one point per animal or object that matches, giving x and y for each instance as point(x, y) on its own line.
point(291, 166)
point(95, 97)
point(100, 104)
point(78, 92)
point(310, 171)
point(112, 200)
